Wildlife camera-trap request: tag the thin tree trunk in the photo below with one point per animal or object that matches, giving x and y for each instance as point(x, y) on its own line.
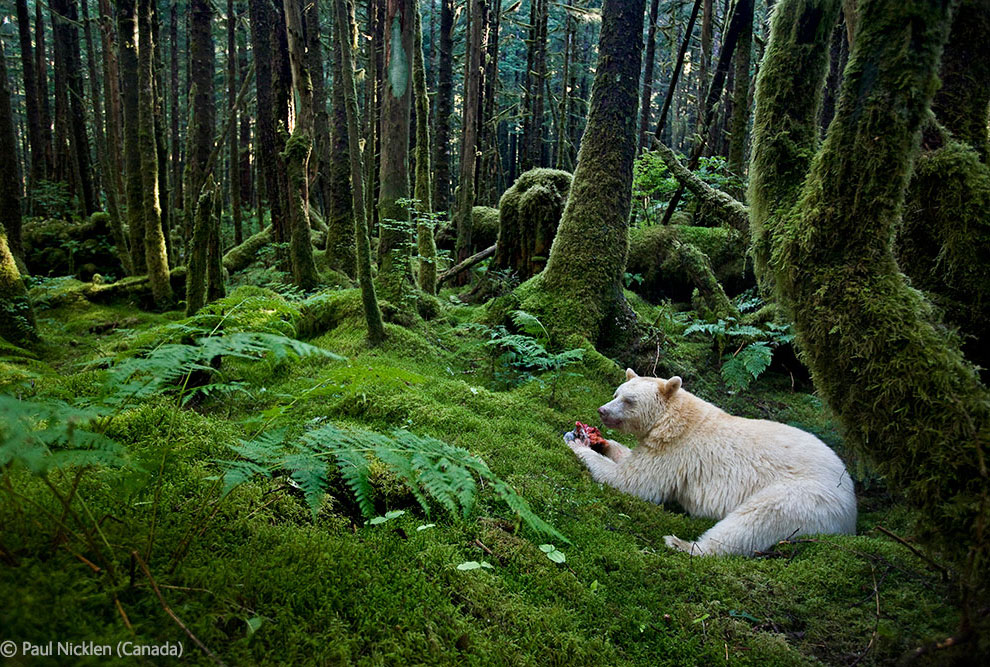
point(321, 164)
point(156, 253)
point(445, 106)
point(37, 169)
point(740, 97)
point(298, 150)
point(372, 314)
point(10, 187)
point(127, 30)
point(233, 177)
point(425, 243)
point(676, 74)
point(175, 139)
point(44, 107)
point(112, 164)
point(649, 69)
point(469, 138)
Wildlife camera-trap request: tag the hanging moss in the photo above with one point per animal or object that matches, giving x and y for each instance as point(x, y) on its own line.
point(944, 242)
point(16, 317)
point(529, 213)
point(904, 394)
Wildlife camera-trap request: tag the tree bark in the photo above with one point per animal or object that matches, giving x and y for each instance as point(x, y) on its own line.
point(37, 168)
point(44, 106)
point(740, 96)
point(425, 243)
point(394, 237)
point(17, 325)
point(580, 291)
point(127, 30)
point(676, 74)
point(298, 150)
point(10, 177)
point(156, 255)
point(445, 106)
point(372, 314)
point(340, 246)
point(234, 162)
point(904, 395)
point(646, 103)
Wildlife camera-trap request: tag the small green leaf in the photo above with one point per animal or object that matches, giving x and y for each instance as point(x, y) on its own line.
point(469, 565)
point(425, 526)
point(547, 548)
point(394, 513)
point(377, 520)
point(700, 618)
point(557, 556)
point(253, 624)
point(594, 586)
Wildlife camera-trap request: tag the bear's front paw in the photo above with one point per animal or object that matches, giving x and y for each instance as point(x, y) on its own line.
point(677, 543)
point(574, 440)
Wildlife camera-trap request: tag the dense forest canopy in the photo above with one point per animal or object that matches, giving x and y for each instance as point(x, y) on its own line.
point(297, 297)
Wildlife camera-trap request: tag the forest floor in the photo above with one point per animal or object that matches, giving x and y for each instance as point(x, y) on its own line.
point(258, 578)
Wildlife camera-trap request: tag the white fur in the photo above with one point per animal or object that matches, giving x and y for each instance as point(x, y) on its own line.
point(765, 481)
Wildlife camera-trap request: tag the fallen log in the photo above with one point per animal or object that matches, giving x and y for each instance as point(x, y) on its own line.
point(466, 264)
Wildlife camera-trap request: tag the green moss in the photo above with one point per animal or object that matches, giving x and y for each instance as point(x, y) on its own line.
point(528, 215)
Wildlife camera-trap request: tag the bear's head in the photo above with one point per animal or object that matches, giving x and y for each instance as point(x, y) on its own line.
point(639, 403)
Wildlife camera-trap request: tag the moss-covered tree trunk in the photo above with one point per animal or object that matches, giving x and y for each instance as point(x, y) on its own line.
point(425, 243)
point(445, 106)
point(581, 288)
point(394, 238)
point(215, 288)
point(963, 100)
point(337, 171)
point(372, 314)
point(198, 250)
point(649, 67)
point(905, 396)
point(233, 178)
point(202, 128)
point(469, 136)
point(16, 316)
point(528, 216)
point(127, 30)
point(298, 150)
point(10, 177)
point(156, 255)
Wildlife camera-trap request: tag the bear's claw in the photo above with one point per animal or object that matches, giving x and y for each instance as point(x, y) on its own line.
point(677, 543)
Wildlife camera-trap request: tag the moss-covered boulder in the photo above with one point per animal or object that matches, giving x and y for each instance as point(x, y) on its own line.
point(79, 248)
point(657, 260)
point(529, 213)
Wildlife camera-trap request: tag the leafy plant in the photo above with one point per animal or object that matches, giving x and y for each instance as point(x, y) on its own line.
point(434, 471)
point(553, 553)
point(754, 348)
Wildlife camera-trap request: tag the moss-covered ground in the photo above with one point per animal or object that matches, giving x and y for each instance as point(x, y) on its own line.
point(258, 580)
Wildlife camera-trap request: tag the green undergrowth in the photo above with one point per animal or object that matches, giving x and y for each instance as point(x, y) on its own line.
point(258, 577)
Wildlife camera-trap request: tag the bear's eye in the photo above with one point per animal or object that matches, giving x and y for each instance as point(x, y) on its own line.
point(628, 401)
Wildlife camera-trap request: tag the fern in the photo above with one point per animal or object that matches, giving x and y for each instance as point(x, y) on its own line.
point(740, 370)
point(43, 435)
point(435, 471)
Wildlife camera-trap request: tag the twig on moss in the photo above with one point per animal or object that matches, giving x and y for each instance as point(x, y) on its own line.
point(168, 610)
point(917, 552)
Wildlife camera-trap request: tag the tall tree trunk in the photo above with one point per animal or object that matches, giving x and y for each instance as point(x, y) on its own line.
point(67, 50)
point(234, 163)
point(199, 247)
point(202, 129)
point(174, 137)
point(425, 243)
point(17, 324)
point(373, 105)
point(298, 150)
point(706, 55)
point(127, 30)
point(98, 128)
point(563, 148)
point(337, 171)
point(469, 137)
point(10, 181)
point(649, 69)
point(156, 254)
point(322, 163)
point(112, 165)
point(676, 74)
point(904, 395)
point(394, 236)
point(740, 97)
point(572, 298)
point(535, 147)
point(372, 314)
point(445, 107)
point(37, 162)
point(44, 106)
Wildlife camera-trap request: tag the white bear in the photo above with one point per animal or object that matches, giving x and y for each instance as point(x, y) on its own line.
point(764, 481)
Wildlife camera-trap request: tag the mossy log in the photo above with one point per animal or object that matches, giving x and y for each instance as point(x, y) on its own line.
point(673, 261)
point(905, 396)
point(528, 215)
point(240, 257)
point(82, 249)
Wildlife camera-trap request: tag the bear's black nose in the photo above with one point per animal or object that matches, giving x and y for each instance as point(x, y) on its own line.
point(601, 411)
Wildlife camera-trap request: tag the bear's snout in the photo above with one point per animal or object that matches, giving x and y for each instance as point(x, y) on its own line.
point(607, 418)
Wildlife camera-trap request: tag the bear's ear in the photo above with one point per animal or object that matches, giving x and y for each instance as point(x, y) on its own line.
point(670, 387)
point(630, 374)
